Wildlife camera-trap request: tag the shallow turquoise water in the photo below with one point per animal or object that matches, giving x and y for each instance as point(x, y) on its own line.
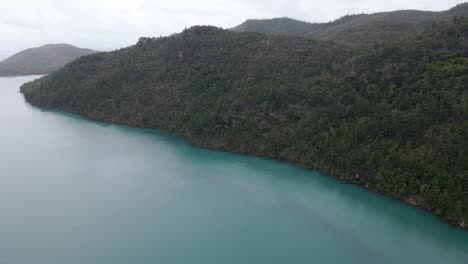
point(78, 191)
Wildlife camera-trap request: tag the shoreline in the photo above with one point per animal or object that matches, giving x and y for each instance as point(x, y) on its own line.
point(412, 201)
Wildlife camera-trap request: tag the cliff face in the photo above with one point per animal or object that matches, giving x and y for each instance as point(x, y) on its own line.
point(392, 119)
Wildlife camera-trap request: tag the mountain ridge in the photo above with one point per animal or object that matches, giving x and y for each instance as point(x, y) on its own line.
point(358, 29)
point(41, 60)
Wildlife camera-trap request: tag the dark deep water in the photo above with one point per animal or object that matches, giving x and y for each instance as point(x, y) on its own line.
point(78, 191)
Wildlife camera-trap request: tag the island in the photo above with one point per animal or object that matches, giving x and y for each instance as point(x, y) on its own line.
point(386, 111)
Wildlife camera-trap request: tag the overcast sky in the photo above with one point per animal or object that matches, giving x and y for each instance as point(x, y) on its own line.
point(110, 24)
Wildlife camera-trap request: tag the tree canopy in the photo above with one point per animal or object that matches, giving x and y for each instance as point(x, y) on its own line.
point(392, 118)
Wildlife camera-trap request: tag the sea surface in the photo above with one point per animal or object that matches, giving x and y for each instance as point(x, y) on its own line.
point(76, 191)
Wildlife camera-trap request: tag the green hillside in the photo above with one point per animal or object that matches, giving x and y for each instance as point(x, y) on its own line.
point(393, 119)
point(281, 26)
point(360, 30)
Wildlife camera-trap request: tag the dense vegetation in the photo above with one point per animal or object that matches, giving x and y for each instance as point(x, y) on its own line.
point(360, 30)
point(393, 118)
point(41, 60)
point(280, 26)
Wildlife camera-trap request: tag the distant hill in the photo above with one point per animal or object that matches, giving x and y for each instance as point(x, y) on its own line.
point(41, 60)
point(361, 29)
point(283, 26)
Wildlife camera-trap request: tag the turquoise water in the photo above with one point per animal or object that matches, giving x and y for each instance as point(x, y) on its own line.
point(78, 191)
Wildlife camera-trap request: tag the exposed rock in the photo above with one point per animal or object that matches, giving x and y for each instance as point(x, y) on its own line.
point(464, 224)
point(145, 40)
point(416, 201)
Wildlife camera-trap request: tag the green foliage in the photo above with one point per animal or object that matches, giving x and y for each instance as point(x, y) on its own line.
point(393, 118)
point(283, 26)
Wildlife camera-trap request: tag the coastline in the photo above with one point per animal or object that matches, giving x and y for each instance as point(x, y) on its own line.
point(328, 172)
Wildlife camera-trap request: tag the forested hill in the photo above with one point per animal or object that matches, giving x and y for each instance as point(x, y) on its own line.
point(361, 29)
point(280, 26)
point(41, 60)
point(393, 119)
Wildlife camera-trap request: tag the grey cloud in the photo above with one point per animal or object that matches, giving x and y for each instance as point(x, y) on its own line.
point(109, 24)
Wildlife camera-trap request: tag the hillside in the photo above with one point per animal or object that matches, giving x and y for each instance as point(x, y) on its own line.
point(393, 119)
point(362, 29)
point(283, 26)
point(41, 60)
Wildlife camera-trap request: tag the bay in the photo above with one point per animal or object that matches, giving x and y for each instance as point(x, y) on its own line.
point(78, 191)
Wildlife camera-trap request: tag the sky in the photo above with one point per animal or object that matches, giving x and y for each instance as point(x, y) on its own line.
point(111, 24)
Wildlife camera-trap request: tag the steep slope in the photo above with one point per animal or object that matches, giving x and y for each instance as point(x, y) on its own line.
point(362, 29)
point(393, 119)
point(41, 60)
point(459, 10)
